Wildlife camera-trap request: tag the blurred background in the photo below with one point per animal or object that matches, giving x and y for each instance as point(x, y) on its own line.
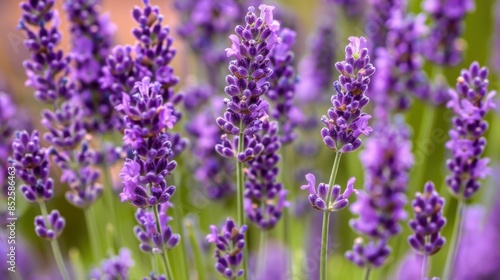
point(479, 31)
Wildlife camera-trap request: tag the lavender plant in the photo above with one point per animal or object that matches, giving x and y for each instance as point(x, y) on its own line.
point(246, 111)
point(470, 102)
point(387, 160)
point(427, 225)
point(344, 123)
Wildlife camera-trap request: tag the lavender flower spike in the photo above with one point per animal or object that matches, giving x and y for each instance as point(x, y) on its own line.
point(428, 222)
point(251, 46)
point(371, 254)
point(344, 121)
point(470, 102)
point(49, 227)
point(229, 252)
point(318, 195)
point(116, 267)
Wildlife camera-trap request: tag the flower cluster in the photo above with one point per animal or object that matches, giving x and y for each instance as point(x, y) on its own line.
point(282, 91)
point(399, 65)
point(51, 226)
point(251, 46)
point(318, 195)
point(377, 21)
point(115, 267)
point(264, 197)
point(443, 45)
point(428, 222)
point(48, 73)
point(387, 160)
point(371, 254)
point(470, 103)
point(150, 57)
point(345, 122)
point(155, 235)
point(229, 252)
point(91, 43)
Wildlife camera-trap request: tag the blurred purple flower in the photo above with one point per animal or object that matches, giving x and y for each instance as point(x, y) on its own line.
point(115, 267)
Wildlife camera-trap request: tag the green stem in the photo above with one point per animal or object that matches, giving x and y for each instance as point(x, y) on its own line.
point(89, 219)
point(170, 275)
point(109, 197)
point(180, 256)
point(455, 240)
point(154, 263)
point(198, 255)
point(286, 213)
point(367, 273)
point(77, 264)
point(239, 199)
point(55, 245)
point(326, 218)
point(164, 256)
point(426, 126)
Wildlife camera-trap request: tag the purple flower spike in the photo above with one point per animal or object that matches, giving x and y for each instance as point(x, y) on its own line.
point(344, 121)
point(155, 236)
point(251, 47)
point(444, 45)
point(428, 222)
point(32, 165)
point(264, 197)
point(371, 254)
point(229, 248)
point(91, 39)
point(470, 102)
point(282, 91)
point(317, 196)
point(251, 147)
point(116, 267)
point(53, 228)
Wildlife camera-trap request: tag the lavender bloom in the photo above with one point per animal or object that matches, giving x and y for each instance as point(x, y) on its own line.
point(146, 114)
point(282, 91)
point(371, 254)
point(32, 166)
point(470, 102)
point(155, 236)
point(444, 45)
point(387, 160)
point(91, 43)
point(251, 46)
point(345, 122)
point(229, 252)
point(318, 195)
point(428, 221)
point(49, 227)
point(116, 267)
point(316, 69)
point(264, 197)
point(399, 65)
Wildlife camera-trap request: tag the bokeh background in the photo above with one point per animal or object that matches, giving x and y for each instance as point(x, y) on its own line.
point(478, 37)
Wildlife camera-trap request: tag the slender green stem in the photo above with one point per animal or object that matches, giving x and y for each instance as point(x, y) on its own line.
point(76, 264)
point(154, 263)
point(55, 245)
point(367, 273)
point(198, 255)
point(455, 240)
point(170, 274)
point(181, 255)
point(92, 232)
point(239, 198)
point(262, 251)
point(326, 218)
point(164, 256)
point(424, 266)
point(109, 196)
